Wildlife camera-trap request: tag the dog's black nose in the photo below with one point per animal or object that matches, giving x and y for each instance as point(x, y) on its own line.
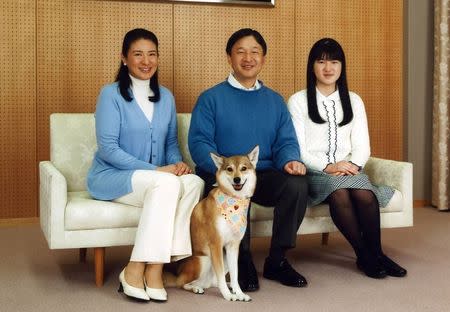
point(237, 180)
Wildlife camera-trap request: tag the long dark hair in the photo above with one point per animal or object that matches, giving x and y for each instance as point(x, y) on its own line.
point(122, 75)
point(327, 49)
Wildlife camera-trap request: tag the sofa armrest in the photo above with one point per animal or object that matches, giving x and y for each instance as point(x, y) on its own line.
point(52, 202)
point(397, 174)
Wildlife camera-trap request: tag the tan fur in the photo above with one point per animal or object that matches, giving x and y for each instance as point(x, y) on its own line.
point(207, 242)
point(204, 218)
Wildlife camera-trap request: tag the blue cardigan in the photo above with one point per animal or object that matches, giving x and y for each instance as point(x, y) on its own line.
point(127, 141)
point(231, 121)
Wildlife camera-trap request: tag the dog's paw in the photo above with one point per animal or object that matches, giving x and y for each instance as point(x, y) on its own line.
point(194, 288)
point(244, 297)
point(230, 297)
point(198, 290)
point(240, 296)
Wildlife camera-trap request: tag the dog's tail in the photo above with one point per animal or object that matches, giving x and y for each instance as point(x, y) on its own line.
point(179, 273)
point(170, 279)
point(187, 271)
point(171, 272)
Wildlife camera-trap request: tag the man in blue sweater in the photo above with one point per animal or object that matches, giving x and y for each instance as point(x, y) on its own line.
point(230, 119)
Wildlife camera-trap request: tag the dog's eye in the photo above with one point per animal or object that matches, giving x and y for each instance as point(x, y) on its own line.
point(243, 168)
point(229, 169)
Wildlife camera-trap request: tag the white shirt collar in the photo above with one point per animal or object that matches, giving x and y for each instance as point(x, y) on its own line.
point(333, 96)
point(235, 83)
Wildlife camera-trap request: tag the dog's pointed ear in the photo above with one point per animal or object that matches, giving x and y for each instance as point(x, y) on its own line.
point(218, 160)
point(253, 155)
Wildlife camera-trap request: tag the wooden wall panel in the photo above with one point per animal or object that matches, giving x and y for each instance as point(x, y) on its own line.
point(18, 109)
point(200, 37)
point(78, 50)
point(371, 33)
point(57, 54)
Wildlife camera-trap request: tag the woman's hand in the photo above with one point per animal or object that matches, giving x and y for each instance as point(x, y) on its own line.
point(342, 168)
point(168, 168)
point(178, 169)
point(182, 169)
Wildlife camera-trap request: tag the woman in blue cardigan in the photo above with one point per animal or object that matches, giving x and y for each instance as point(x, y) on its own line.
point(138, 163)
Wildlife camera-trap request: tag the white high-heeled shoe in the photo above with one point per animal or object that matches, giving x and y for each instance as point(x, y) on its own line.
point(131, 291)
point(157, 294)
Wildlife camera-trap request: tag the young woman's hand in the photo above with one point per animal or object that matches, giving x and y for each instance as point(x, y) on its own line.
point(341, 168)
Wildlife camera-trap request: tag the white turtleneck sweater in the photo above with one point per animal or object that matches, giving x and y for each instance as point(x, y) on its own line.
point(322, 144)
point(141, 91)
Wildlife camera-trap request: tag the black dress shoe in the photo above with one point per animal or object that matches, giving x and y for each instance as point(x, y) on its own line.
point(247, 276)
point(371, 267)
point(283, 272)
point(391, 268)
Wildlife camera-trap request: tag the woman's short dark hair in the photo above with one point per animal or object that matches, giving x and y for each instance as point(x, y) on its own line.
point(123, 76)
point(327, 49)
point(245, 32)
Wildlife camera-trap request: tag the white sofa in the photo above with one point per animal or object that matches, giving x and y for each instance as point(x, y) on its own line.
point(70, 218)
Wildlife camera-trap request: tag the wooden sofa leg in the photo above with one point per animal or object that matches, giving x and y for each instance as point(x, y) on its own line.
point(99, 262)
point(83, 255)
point(325, 238)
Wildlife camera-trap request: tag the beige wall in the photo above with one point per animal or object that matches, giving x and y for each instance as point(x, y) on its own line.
point(59, 52)
point(420, 93)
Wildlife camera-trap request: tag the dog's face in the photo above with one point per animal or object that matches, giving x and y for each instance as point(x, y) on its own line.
point(236, 175)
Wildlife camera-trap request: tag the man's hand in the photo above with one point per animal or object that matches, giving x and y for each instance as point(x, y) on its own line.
point(295, 168)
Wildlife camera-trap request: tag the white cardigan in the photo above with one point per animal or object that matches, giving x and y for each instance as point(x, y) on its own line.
point(322, 144)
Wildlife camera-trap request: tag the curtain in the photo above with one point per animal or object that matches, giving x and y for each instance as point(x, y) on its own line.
point(441, 102)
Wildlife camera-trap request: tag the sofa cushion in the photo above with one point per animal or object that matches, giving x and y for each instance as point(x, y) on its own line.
point(72, 147)
point(261, 213)
point(395, 204)
point(84, 213)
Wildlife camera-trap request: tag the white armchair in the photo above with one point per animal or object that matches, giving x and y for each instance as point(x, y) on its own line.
point(70, 218)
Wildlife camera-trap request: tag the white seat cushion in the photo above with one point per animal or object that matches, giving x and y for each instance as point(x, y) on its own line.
point(260, 213)
point(85, 213)
point(395, 204)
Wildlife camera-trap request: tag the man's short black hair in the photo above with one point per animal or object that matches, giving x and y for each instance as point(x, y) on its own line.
point(245, 32)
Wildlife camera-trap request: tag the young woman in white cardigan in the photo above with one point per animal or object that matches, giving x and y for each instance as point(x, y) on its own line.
point(331, 127)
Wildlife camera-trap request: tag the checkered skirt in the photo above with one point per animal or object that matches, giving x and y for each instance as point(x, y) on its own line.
point(322, 184)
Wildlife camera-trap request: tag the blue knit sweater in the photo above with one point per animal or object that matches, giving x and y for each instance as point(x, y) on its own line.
point(231, 121)
point(127, 141)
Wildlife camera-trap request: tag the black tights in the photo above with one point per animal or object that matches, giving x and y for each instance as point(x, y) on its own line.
point(356, 214)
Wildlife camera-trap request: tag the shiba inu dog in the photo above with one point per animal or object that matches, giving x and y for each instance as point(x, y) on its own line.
point(218, 222)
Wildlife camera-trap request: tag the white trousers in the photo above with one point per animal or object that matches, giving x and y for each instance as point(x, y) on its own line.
point(163, 233)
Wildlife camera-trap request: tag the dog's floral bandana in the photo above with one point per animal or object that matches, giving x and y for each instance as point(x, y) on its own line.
point(234, 210)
